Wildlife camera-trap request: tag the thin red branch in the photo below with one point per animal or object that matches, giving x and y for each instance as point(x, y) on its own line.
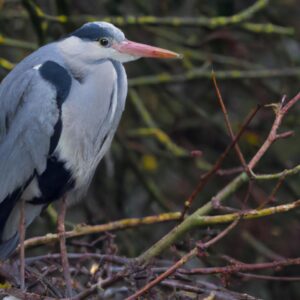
point(280, 111)
point(22, 229)
point(182, 261)
point(203, 288)
point(204, 179)
point(271, 197)
point(267, 277)
point(63, 249)
point(228, 124)
point(238, 267)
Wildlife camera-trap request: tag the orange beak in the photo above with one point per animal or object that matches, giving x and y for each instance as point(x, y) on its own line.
point(142, 50)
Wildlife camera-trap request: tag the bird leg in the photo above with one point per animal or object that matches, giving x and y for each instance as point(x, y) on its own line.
point(63, 248)
point(22, 230)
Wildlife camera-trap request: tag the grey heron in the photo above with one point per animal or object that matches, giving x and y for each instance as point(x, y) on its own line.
point(59, 110)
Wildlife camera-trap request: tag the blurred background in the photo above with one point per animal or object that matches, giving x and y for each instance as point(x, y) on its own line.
point(173, 129)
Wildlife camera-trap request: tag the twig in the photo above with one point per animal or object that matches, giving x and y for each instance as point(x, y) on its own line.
point(228, 124)
point(22, 230)
point(233, 268)
point(181, 262)
point(135, 222)
point(140, 108)
point(281, 110)
point(231, 171)
point(223, 194)
point(38, 24)
point(206, 177)
point(112, 226)
point(287, 172)
point(102, 257)
point(198, 73)
point(271, 197)
point(18, 294)
point(267, 277)
point(212, 22)
point(163, 138)
point(201, 287)
point(101, 284)
point(260, 247)
point(267, 28)
point(5, 64)
point(5, 41)
point(153, 129)
point(63, 248)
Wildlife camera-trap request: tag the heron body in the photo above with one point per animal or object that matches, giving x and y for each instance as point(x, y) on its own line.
point(59, 110)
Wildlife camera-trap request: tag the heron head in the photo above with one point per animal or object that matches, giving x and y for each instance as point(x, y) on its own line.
point(95, 41)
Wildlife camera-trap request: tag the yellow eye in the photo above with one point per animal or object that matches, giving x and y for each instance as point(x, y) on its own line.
point(104, 42)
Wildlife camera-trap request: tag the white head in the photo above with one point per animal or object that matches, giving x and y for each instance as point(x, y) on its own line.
point(96, 41)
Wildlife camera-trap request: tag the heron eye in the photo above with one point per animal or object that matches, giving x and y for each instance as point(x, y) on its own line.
point(104, 42)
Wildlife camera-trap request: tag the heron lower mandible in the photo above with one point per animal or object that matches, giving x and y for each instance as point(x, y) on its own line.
point(59, 110)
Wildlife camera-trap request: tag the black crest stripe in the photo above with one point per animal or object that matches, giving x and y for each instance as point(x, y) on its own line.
point(92, 32)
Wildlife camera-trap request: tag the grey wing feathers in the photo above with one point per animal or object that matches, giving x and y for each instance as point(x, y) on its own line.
point(8, 247)
point(10, 96)
point(28, 114)
point(16, 82)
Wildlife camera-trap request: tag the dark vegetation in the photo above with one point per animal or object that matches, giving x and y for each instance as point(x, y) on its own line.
point(189, 141)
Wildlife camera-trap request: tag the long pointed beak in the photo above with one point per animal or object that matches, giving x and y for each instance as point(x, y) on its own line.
point(142, 50)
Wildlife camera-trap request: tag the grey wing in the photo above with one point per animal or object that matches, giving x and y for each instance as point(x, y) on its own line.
point(15, 83)
point(28, 114)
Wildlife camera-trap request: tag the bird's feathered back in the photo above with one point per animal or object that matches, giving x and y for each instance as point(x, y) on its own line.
point(49, 145)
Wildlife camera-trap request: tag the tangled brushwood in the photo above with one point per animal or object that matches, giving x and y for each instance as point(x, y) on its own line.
point(202, 182)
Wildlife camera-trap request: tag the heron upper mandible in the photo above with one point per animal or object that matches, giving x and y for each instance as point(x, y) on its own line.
point(59, 110)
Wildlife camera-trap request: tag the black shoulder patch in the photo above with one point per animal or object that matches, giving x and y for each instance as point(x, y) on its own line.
point(59, 77)
point(62, 81)
point(91, 32)
point(54, 182)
